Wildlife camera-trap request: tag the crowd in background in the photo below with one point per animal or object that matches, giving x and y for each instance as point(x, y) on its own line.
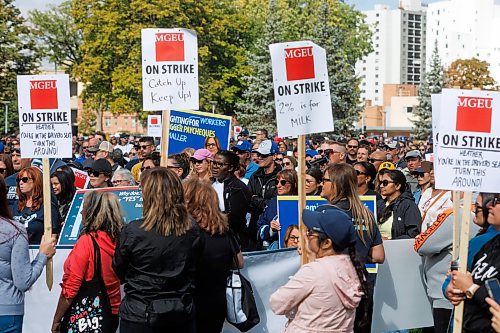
point(208, 204)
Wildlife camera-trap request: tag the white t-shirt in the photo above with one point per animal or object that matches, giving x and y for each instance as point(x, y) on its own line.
point(219, 188)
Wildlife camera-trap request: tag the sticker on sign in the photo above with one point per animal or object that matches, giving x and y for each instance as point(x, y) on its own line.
point(44, 116)
point(154, 126)
point(467, 157)
point(301, 88)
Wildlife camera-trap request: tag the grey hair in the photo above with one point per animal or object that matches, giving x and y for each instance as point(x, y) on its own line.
point(126, 174)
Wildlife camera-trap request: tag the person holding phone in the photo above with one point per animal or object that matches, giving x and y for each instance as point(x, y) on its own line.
point(495, 311)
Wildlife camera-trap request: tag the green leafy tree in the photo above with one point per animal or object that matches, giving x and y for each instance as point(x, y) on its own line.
point(19, 55)
point(432, 83)
point(468, 74)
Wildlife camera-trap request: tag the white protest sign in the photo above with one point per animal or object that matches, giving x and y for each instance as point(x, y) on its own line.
point(301, 88)
point(436, 106)
point(44, 116)
point(468, 154)
point(169, 69)
point(154, 126)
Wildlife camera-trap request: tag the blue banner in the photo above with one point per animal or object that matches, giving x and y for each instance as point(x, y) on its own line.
point(288, 210)
point(130, 199)
point(189, 129)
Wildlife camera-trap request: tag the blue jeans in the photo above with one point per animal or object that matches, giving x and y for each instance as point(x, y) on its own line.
point(11, 324)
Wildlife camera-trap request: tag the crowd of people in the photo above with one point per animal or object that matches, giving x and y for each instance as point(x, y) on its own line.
point(209, 204)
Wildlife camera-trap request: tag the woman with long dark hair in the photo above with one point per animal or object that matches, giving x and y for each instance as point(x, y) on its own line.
point(64, 189)
point(324, 294)
point(219, 255)
point(102, 220)
point(17, 272)
point(29, 210)
point(6, 167)
point(156, 259)
point(313, 180)
point(366, 175)
point(401, 217)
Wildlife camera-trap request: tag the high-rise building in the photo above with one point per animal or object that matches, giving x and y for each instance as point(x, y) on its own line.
point(399, 48)
point(465, 29)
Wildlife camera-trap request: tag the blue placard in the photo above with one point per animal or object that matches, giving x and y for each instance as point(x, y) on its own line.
point(130, 199)
point(288, 211)
point(188, 129)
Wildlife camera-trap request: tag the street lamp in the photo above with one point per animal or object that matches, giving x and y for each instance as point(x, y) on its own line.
point(214, 103)
point(6, 105)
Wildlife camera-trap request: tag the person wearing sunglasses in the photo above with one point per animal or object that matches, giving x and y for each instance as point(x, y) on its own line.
point(289, 163)
point(336, 153)
point(201, 164)
point(401, 217)
point(100, 174)
point(352, 150)
point(324, 294)
point(234, 196)
point(29, 208)
point(145, 147)
point(6, 167)
point(243, 149)
point(262, 184)
point(151, 161)
point(268, 225)
point(366, 175)
point(377, 158)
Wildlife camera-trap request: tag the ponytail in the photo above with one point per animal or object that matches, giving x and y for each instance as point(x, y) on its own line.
point(363, 314)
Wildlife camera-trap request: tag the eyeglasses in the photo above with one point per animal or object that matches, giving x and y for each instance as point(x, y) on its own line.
point(2, 170)
point(324, 180)
point(313, 233)
point(219, 164)
point(373, 160)
point(173, 167)
point(418, 174)
point(211, 145)
point(384, 183)
point(279, 160)
point(85, 147)
point(145, 168)
point(360, 173)
point(23, 179)
point(118, 181)
point(263, 156)
point(294, 238)
point(349, 146)
point(195, 161)
point(143, 147)
point(282, 182)
point(94, 173)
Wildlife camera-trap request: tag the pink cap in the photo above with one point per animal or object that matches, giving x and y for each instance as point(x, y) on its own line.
point(202, 154)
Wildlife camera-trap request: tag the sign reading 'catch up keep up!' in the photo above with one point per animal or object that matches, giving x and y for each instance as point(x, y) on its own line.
point(44, 116)
point(301, 88)
point(468, 150)
point(169, 69)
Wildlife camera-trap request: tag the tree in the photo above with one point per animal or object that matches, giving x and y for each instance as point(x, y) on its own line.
point(19, 55)
point(58, 35)
point(432, 83)
point(468, 74)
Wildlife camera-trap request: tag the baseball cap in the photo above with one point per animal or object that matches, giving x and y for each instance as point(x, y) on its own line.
point(413, 154)
point(267, 147)
point(425, 166)
point(244, 132)
point(106, 146)
point(311, 152)
point(101, 165)
point(392, 145)
point(243, 145)
point(94, 149)
point(386, 165)
point(336, 224)
point(202, 154)
point(117, 154)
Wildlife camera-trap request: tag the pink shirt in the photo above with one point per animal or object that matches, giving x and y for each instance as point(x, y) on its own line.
point(324, 293)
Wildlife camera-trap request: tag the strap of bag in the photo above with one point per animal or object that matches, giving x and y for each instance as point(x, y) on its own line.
point(97, 260)
point(432, 204)
point(233, 250)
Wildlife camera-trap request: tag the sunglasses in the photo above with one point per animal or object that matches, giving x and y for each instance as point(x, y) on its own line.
point(145, 168)
point(373, 160)
point(287, 163)
point(2, 170)
point(263, 156)
point(195, 161)
point(384, 183)
point(23, 179)
point(495, 201)
point(349, 146)
point(360, 173)
point(279, 160)
point(17, 151)
point(282, 182)
point(219, 164)
point(418, 174)
point(94, 173)
point(143, 147)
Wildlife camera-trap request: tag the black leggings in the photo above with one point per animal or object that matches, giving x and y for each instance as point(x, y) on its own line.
point(441, 319)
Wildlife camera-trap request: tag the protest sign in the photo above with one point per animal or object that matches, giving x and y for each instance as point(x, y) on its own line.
point(468, 154)
point(82, 179)
point(130, 198)
point(288, 210)
point(301, 88)
point(169, 69)
point(44, 116)
point(154, 126)
point(191, 128)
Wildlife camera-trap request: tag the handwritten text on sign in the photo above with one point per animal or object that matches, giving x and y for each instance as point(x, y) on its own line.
point(301, 88)
point(169, 69)
point(44, 116)
point(468, 154)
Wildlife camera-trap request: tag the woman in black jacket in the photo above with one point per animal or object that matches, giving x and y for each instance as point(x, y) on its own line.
point(401, 216)
point(156, 259)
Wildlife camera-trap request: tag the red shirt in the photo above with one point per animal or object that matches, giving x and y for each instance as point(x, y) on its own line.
point(80, 264)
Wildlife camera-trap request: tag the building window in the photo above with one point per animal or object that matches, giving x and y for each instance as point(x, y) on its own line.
point(376, 91)
point(409, 109)
point(376, 98)
point(410, 78)
point(376, 76)
point(73, 89)
point(107, 122)
point(416, 77)
point(376, 83)
point(377, 15)
point(133, 122)
point(125, 121)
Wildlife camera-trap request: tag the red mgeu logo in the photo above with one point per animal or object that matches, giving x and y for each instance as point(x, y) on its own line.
point(169, 46)
point(43, 94)
point(474, 114)
point(154, 121)
point(299, 63)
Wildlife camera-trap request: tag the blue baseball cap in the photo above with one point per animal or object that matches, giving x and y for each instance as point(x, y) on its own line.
point(336, 224)
point(2, 146)
point(311, 152)
point(243, 145)
point(267, 147)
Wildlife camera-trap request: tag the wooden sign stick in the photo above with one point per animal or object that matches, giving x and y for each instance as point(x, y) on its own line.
point(456, 224)
point(47, 220)
point(463, 254)
point(301, 148)
point(165, 135)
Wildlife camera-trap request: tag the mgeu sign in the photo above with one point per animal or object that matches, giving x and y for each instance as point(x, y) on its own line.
point(44, 116)
point(301, 88)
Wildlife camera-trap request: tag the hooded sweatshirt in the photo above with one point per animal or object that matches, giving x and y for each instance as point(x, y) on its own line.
point(321, 297)
point(80, 265)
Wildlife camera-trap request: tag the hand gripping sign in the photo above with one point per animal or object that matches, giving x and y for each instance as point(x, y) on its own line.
point(169, 69)
point(301, 88)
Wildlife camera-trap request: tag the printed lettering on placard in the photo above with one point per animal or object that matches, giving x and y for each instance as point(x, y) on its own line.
point(43, 94)
point(169, 46)
point(474, 114)
point(299, 63)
